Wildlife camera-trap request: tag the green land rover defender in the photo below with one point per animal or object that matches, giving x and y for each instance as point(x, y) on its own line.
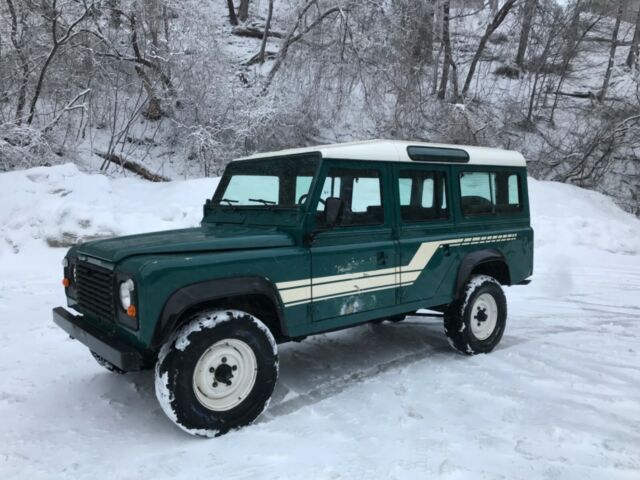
point(296, 243)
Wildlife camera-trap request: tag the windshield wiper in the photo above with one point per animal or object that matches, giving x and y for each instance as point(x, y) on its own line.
point(228, 201)
point(264, 202)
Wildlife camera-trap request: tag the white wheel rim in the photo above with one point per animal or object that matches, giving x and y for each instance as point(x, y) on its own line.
point(484, 316)
point(225, 374)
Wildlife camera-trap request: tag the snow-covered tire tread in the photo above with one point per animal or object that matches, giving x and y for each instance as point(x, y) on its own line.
point(457, 317)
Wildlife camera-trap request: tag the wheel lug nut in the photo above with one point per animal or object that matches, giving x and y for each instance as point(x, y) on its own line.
point(235, 367)
point(224, 359)
point(215, 384)
point(211, 370)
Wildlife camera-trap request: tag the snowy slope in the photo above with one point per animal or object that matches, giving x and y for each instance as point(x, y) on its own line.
point(559, 398)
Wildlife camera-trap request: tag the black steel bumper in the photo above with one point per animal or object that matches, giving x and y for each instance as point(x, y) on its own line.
point(109, 347)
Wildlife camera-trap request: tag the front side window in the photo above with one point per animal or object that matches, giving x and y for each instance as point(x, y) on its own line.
point(360, 192)
point(270, 182)
point(489, 192)
point(423, 195)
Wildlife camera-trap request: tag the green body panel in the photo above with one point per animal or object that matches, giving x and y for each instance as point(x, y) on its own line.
point(206, 238)
point(324, 280)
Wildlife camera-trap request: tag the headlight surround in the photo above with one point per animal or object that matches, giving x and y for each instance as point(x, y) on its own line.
point(126, 293)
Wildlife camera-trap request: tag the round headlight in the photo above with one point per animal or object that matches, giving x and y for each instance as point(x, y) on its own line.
point(126, 293)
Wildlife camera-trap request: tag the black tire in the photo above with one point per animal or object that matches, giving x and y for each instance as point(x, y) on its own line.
point(460, 314)
point(175, 382)
point(107, 364)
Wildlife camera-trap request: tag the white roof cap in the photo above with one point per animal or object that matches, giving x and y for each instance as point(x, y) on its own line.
point(396, 150)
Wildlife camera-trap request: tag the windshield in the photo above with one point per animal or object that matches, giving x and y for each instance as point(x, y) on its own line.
point(269, 182)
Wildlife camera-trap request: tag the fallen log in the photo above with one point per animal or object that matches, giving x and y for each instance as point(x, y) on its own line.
point(132, 166)
point(254, 32)
point(577, 94)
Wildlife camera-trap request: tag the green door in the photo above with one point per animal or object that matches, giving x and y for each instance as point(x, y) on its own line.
point(426, 233)
point(354, 264)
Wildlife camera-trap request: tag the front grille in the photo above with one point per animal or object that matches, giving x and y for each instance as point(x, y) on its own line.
point(95, 290)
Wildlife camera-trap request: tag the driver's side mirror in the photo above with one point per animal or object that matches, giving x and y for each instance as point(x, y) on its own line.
point(333, 209)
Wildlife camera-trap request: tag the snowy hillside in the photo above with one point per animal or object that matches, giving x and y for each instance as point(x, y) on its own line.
point(558, 398)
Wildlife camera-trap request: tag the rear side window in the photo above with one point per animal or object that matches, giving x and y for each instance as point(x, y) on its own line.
point(422, 196)
point(484, 193)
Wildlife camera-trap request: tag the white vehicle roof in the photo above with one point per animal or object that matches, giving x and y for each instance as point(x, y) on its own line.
point(396, 150)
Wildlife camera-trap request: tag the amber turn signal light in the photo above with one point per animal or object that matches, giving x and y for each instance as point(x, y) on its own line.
point(131, 311)
point(66, 282)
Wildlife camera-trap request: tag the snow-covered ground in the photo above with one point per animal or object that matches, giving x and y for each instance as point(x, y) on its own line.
point(559, 398)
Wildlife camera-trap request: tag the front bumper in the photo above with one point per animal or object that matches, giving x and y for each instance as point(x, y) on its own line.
point(108, 346)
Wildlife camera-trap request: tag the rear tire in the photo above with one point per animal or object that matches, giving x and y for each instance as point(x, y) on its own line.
point(475, 323)
point(217, 372)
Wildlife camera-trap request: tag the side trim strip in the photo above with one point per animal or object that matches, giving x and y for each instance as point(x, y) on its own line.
point(298, 292)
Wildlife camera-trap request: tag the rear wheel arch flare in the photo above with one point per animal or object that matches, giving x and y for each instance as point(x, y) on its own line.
point(489, 262)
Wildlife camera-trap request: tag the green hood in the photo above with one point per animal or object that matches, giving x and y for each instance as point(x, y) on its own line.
point(202, 239)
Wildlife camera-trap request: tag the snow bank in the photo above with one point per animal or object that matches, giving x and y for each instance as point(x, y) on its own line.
point(61, 206)
point(565, 215)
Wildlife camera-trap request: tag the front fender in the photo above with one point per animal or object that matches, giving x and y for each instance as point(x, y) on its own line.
point(191, 296)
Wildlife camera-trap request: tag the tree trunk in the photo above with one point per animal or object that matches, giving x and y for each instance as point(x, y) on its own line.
point(527, 19)
point(446, 42)
point(493, 5)
point(423, 26)
point(233, 20)
point(632, 59)
point(267, 25)
point(612, 52)
point(569, 50)
point(492, 27)
point(243, 10)
point(24, 65)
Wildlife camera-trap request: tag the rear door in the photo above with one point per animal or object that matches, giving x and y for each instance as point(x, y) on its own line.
point(354, 264)
point(425, 231)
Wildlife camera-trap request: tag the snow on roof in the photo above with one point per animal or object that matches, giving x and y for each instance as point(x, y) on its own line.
point(396, 150)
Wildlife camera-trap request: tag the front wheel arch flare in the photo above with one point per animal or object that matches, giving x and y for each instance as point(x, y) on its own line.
point(202, 295)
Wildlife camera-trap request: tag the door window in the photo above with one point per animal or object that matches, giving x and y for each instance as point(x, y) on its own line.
point(361, 193)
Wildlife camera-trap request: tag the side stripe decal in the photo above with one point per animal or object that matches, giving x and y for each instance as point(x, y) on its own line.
point(298, 292)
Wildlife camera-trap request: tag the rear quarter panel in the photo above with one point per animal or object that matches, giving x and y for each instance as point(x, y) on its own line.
point(510, 233)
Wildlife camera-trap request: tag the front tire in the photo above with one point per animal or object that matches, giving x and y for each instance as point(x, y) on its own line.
point(475, 323)
point(217, 372)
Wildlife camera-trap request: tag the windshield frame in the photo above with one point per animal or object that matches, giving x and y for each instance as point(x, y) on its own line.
point(216, 200)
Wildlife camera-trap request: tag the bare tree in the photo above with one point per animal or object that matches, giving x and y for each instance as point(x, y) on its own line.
point(612, 52)
point(56, 42)
point(267, 26)
point(446, 42)
point(492, 27)
point(243, 10)
point(293, 35)
point(233, 19)
point(17, 43)
point(528, 13)
point(632, 59)
point(423, 41)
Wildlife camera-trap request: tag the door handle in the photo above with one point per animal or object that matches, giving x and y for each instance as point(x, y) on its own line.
point(447, 250)
point(381, 258)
